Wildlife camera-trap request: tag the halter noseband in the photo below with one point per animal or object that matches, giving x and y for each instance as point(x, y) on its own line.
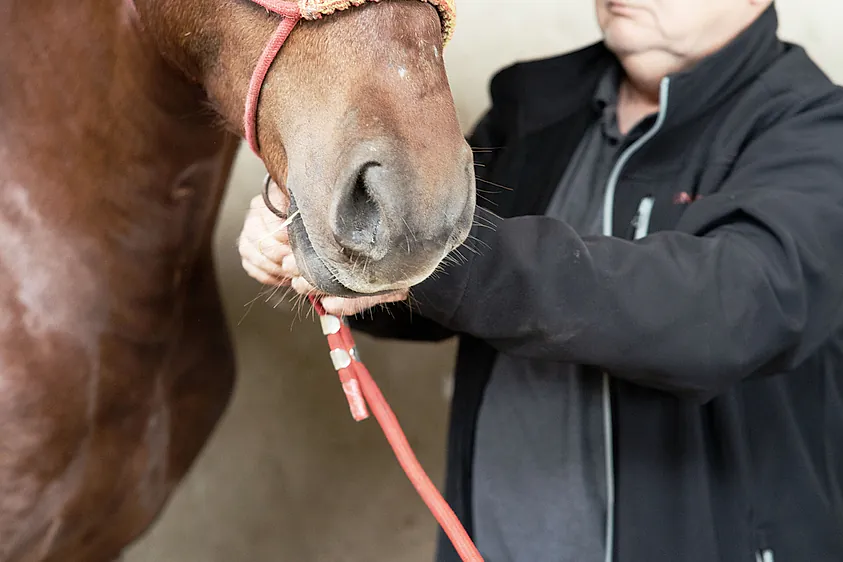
point(293, 11)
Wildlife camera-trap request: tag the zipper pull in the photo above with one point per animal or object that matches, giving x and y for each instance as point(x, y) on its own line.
point(764, 556)
point(640, 223)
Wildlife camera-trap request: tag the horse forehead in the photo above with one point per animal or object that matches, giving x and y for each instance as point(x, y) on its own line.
point(49, 271)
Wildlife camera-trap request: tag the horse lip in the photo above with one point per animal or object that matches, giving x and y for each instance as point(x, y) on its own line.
point(301, 243)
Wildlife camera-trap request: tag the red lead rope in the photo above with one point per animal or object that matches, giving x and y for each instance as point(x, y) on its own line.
point(360, 389)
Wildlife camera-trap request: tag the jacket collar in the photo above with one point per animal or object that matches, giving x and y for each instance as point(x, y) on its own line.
point(719, 76)
point(550, 90)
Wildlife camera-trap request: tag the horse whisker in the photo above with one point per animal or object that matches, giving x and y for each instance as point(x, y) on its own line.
point(264, 288)
point(495, 184)
point(478, 221)
point(484, 149)
point(409, 229)
point(475, 239)
point(484, 198)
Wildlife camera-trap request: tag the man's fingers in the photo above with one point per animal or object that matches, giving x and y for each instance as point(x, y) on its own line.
point(348, 307)
point(271, 244)
point(302, 287)
point(249, 253)
point(262, 276)
point(268, 222)
point(289, 267)
point(273, 227)
point(272, 249)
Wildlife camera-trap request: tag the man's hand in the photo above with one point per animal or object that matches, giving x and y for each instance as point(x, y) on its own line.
point(266, 256)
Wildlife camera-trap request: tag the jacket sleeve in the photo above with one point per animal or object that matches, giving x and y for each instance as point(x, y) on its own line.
point(750, 283)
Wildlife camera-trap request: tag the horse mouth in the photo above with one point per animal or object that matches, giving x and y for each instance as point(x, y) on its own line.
point(315, 269)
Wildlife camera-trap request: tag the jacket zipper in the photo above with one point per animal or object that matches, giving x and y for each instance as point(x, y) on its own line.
point(608, 217)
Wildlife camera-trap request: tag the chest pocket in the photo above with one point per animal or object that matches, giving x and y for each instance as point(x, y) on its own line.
point(654, 213)
point(656, 201)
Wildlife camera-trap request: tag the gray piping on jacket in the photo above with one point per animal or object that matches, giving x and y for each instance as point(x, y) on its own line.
point(608, 212)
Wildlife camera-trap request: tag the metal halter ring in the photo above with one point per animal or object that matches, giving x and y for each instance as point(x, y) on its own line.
point(266, 181)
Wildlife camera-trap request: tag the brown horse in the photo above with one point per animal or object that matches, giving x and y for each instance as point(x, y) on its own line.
point(119, 132)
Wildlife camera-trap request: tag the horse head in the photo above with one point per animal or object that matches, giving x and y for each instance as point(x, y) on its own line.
point(355, 121)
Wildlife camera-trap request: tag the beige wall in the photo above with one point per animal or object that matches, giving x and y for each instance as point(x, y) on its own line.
point(288, 477)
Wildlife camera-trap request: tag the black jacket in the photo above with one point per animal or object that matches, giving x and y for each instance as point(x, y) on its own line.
point(722, 331)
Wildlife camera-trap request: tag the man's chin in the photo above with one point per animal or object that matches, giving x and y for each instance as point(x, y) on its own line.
point(625, 37)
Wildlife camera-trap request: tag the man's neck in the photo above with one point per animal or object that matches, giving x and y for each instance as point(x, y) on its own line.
point(644, 71)
point(639, 90)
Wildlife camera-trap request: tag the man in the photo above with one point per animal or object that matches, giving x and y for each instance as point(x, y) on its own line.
point(651, 335)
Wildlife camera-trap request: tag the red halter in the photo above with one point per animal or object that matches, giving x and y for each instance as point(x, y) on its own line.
point(290, 16)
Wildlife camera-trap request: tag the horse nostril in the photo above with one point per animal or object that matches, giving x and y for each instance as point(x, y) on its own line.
point(358, 218)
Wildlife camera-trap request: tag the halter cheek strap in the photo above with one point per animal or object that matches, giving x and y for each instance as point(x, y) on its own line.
point(293, 11)
point(290, 16)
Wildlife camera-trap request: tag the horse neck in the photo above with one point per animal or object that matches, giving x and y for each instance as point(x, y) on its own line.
point(92, 112)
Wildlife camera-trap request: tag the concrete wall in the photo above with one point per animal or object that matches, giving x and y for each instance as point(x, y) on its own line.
point(289, 477)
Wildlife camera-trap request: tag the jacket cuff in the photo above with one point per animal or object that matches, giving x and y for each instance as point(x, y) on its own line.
point(439, 297)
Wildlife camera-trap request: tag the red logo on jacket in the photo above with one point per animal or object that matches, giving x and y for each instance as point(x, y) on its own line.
point(684, 198)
